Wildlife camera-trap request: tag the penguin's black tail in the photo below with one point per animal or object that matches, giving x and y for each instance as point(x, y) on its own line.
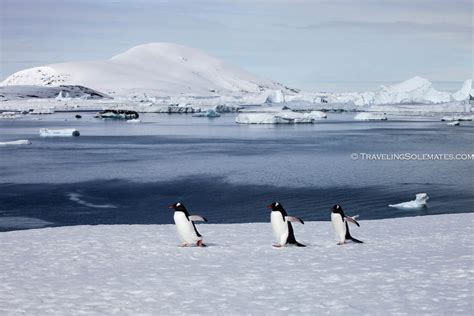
point(349, 237)
point(297, 244)
point(356, 240)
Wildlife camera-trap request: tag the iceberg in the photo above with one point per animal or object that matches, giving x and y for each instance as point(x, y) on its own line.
point(45, 132)
point(209, 113)
point(419, 202)
point(16, 142)
point(275, 96)
point(464, 93)
point(414, 90)
point(369, 116)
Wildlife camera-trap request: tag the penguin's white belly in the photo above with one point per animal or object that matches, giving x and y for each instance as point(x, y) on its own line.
point(339, 227)
point(280, 228)
point(185, 228)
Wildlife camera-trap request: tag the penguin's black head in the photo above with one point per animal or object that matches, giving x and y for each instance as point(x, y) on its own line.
point(336, 209)
point(179, 207)
point(275, 206)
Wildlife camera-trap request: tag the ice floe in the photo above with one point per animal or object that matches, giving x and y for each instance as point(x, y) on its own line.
point(420, 201)
point(370, 116)
point(16, 142)
point(209, 113)
point(46, 132)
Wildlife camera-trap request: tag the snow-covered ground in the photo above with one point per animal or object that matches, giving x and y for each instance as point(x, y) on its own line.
point(417, 265)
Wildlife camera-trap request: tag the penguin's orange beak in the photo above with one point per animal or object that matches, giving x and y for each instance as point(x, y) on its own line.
point(269, 206)
point(171, 206)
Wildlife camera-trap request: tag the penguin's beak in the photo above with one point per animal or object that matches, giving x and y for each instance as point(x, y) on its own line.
point(269, 206)
point(171, 206)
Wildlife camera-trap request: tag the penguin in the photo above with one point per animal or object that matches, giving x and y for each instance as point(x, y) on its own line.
point(341, 228)
point(185, 225)
point(281, 224)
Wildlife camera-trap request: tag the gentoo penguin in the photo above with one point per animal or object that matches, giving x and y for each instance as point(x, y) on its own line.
point(281, 224)
point(184, 224)
point(341, 228)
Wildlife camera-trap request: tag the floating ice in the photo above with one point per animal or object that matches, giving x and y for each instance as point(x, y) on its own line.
point(42, 111)
point(419, 202)
point(454, 123)
point(316, 115)
point(369, 116)
point(134, 121)
point(9, 115)
point(282, 117)
point(208, 113)
point(457, 118)
point(76, 197)
point(16, 142)
point(45, 132)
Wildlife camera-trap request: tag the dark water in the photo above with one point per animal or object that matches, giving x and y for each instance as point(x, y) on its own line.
point(119, 173)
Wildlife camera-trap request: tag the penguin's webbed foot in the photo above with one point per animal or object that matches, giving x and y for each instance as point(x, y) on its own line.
point(277, 246)
point(183, 245)
point(200, 244)
point(341, 243)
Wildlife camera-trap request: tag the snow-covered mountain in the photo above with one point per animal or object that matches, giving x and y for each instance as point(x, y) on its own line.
point(165, 68)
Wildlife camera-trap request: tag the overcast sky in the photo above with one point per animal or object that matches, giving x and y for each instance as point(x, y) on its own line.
point(335, 45)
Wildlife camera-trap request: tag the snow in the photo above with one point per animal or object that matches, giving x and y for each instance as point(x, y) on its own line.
point(368, 116)
point(417, 265)
point(66, 132)
point(16, 142)
point(419, 202)
point(169, 68)
point(61, 93)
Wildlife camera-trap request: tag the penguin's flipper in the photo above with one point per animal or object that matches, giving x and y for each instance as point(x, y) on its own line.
point(352, 220)
point(197, 218)
point(294, 219)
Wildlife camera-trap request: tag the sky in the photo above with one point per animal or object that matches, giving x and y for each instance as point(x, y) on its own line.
point(334, 45)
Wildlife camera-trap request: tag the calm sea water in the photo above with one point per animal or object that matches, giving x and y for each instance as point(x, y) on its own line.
point(121, 173)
